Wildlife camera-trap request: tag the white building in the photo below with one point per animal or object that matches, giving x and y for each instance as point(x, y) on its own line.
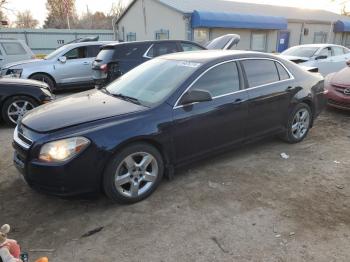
point(261, 27)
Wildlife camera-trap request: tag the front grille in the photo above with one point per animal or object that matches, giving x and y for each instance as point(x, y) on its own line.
point(21, 140)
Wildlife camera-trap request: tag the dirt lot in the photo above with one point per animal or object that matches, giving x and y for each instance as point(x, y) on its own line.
point(247, 205)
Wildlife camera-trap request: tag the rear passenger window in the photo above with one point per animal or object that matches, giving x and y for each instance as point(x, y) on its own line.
point(93, 50)
point(76, 53)
point(282, 72)
point(13, 48)
point(220, 80)
point(260, 72)
point(162, 49)
point(129, 51)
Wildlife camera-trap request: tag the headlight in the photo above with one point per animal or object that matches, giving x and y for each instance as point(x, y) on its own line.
point(62, 150)
point(14, 72)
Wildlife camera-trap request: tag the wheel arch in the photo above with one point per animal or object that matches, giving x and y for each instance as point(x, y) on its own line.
point(163, 152)
point(43, 73)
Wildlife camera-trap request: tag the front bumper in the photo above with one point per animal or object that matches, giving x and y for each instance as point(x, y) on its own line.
point(338, 99)
point(78, 176)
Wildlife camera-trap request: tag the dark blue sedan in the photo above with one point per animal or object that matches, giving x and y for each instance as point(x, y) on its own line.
point(165, 113)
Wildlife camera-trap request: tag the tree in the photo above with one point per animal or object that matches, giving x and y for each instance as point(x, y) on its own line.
point(61, 14)
point(3, 16)
point(26, 20)
point(344, 6)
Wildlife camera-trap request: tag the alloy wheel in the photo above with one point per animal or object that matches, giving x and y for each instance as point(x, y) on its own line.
point(17, 110)
point(301, 123)
point(136, 174)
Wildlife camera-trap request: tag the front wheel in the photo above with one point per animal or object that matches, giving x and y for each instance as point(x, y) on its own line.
point(299, 124)
point(15, 107)
point(133, 174)
point(46, 79)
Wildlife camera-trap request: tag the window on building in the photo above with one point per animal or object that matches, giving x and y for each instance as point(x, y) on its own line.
point(131, 37)
point(162, 49)
point(258, 41)
point(282, 72)
point(12, 48)
point(190, 47)
point(260, 72)
point(220, 80)
point(162, 34)
point(201, 35)
point(320, 38)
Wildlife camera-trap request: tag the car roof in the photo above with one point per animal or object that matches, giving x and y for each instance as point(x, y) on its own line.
point(206, 56)
point(317, 45)
point(149, 42)
point(89, 43)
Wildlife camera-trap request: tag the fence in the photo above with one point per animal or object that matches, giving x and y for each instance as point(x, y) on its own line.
point(44, 41)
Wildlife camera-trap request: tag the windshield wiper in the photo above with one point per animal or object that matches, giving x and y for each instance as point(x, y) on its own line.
point(128, 98)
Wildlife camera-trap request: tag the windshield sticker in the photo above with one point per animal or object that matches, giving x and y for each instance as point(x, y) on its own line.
point(189, 64)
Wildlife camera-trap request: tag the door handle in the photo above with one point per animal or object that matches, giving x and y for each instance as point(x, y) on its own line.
point(238, 101)
point(290, 88)
point(86, 63)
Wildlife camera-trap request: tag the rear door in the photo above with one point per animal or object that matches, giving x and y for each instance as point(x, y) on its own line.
point(324, 62)
point(339, 58)
point(202, 127)
point(270, 90)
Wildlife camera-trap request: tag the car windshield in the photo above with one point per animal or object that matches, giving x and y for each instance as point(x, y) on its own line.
point(305, 51)
point(55, 53)
point(153, 81)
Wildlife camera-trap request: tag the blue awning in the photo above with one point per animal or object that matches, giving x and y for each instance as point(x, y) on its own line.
point(342, 26)
point(235, 20)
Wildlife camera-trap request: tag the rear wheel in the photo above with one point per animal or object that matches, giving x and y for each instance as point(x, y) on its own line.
point(46, 79)
point(15, 107)
point(299, 124)
point(133, 174)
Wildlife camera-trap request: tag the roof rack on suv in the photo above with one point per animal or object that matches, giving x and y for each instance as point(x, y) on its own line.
point(84, 39)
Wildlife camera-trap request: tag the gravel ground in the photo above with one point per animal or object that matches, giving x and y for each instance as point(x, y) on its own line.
point(246, 205)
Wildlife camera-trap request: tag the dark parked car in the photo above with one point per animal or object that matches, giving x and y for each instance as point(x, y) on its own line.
point(117, 59)
point(125, 137)
point(17, 96)
point(338, 87)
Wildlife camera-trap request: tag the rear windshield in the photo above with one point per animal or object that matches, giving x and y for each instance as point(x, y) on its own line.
point(106, 54)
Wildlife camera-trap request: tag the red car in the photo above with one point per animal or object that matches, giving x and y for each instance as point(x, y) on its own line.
point(338, 86)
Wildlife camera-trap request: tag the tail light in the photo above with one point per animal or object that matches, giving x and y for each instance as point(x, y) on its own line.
point(104, 68)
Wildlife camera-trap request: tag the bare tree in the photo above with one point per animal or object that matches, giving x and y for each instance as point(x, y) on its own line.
point(3, 16)
point(26, 20)
point(343, 4)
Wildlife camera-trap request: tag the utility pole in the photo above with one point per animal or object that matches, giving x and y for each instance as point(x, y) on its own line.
point(66, 7)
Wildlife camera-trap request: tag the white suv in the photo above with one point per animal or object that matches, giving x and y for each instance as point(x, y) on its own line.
point(14, 50)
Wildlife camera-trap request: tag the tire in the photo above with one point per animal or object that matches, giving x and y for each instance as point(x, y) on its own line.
point(46, 79)
point(299, 123)
point(15, 107)
point(136, 181)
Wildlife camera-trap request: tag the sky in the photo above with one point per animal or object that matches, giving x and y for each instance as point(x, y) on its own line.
point(37, 7)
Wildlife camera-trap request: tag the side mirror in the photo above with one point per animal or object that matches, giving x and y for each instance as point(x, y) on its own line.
point(62, 59)
point(195, 96)
point(321, 57)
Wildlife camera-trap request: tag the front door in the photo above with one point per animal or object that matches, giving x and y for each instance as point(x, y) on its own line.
point(283, 41)
point(78, 66)
point(203, 127)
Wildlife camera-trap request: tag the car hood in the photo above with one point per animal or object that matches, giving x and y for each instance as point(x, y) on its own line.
point(295, 59)
point(26, 63)
point(77, 109)
point(342, 78)
point(22, 82)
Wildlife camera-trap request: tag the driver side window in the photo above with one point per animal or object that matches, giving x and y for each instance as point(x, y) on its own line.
point(326, 52)
point(220, 80)
point(76, 53)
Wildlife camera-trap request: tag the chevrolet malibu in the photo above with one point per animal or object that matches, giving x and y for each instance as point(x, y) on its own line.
point(167, 112)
